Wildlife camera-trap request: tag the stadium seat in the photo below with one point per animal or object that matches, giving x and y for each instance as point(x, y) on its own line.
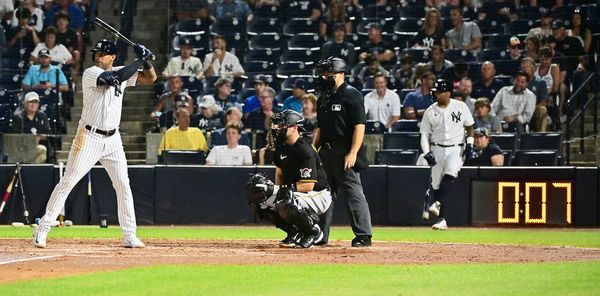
point(455, 54)
point(535, 158)
point(253, 68)
point(199, 42)
point(286, 70)
point(194, 86)
point(52, 111)
point(10, 97)
point(191, 27)
point(47, 96)
point(10, 80)
point(490, 27)
point(374, 11)
point(537, 141)
point(375, 127)
point(506, 141)
point(529, 12)
point(365, 91)
point(419, 55)
point(474, 71)
point(178, 157)
point(387, 26)
point(405, 125)
point(498, 42)
point(260, 25)
point(267, 11)
point(5, 117)
point(306, 56)
point(520, 27)
point(403, 92)
point(508, 156)
point(247, 92)
point(563, 12)
point(295, 26)
point(209, 84)
point(396, 157)
point(228, 27)
point(402, 140)
point(409, 26)
point(249, 82)
point(266, 41)
point(414, 11)
point(262, 55)
point(492, 55)
point(295, 9)
point(236, 43)
point(357, 40)
point(288, 83)
point(305, 41)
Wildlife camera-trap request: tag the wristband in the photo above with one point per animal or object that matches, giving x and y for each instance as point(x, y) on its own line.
point(470, 140)
point(147, 65)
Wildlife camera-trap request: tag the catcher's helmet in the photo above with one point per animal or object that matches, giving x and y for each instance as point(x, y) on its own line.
point(105, 46)
point(331, 64)
point(441, 85)
point(287, 118)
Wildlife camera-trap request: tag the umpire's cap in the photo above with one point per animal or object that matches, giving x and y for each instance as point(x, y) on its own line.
point(331, 64)
point(441, 85)
point(287, 117)
point(105, 46)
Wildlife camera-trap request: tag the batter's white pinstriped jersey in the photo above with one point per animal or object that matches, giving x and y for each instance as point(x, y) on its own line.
point(101, 107)
point(446, 125)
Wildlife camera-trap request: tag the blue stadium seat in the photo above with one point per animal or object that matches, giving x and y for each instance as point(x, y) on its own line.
point(536, 158)
point(405, 125)
point(297, 26)
point(52, 111)
point(414, 11)
point(253, 68)
point(387, 26)
point(403, 92)
point(267, 11)
point(306, 56)
point(508, 157)
point(520, 27)
point(490, 27)
point(5, 117)
point(396, 157)
point(288, 83)
point(506, 141)
point(47, 96)
point(402, 140)
point(236, 43)
point(375, 127)
point(249, 82)
point(492, 55)
point(228, 27)
point(295, 9)
point(455, 54)
point(266, 41)
point(177, 157)
point(498, 42)
point(357, 40)
point(563, 12)
point(191, 27)
point(474, 71)
point(374, 11)
point(209, 84)
point(10, 80)
point(419, 55)
point(529, 12)
point(537, 141)
point(365, 91)
point(305, 41)
point(286, 70)
point(262, 55)
point(10, 97)
point(408, 26)
point(194, 86)
point(199, 42)
point(260, 25)
point(247, 92)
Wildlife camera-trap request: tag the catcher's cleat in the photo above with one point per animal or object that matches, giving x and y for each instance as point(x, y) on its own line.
point(435, 208)
point(309, 240)
point(440, 225)
point(291, 240)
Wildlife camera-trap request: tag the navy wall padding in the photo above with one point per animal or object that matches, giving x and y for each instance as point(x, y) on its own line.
point(38, 181)
point(585, 208)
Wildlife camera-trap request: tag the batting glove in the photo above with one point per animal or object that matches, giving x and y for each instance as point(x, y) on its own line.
point(142, 52)
point(430, 158)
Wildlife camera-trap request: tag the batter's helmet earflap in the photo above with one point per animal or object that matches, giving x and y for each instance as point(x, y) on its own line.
point(441, 85)
point(105, 46)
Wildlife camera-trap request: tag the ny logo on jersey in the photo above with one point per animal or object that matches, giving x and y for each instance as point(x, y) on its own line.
point(456, 117)
point(344, 52)
point(229, 68)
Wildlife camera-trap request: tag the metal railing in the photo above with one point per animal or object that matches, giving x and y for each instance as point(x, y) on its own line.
point(574, 115)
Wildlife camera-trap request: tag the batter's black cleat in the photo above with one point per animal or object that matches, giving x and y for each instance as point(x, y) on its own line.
point(309, 240)
point(291, 240)
point(361, 242)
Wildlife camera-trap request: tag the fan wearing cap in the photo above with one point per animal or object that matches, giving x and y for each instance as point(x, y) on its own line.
point(251, 103)
point(371, 68)
point(442, 139)
point(569, 46)
point(32, 121)
point(485, 152)
point(220, 62)
point(294, 102)
point(44, 76)
point(209, 116)
point(416, 102)
point(338, 47)
point(185, 64)
point(511, 63)
point(376, 46)
point(341, 120)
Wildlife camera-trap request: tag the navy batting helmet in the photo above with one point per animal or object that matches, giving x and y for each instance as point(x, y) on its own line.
point(105, 46)
point(441, 85)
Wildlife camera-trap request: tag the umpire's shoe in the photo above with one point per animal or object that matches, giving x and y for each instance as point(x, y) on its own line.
point(440, 225)
point(435, 209)
point(309, 240)
point(291, 240)
point(133, 242)
point(361, 241)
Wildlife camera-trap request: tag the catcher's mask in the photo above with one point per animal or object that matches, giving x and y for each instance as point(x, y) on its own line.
point(280, 123)
point(324, 71)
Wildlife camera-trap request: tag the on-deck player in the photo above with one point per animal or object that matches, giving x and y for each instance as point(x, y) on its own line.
point(443, 129)
point(98, 137)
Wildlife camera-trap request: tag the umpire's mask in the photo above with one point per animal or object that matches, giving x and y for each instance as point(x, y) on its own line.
point(324, 72)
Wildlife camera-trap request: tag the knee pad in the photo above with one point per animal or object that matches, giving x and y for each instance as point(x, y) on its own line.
point(303, 219)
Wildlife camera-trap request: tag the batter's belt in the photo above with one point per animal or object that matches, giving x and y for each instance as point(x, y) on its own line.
point(101, 132)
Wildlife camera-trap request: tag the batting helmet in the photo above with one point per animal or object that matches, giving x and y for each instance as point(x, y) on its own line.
point(441, 85)
point(105, 46)
point(331, 64)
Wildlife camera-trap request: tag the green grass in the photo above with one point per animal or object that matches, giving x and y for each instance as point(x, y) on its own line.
point(544, 237)
point(472, 279)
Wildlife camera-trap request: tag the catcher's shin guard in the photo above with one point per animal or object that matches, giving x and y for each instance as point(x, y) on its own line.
point(303, 219)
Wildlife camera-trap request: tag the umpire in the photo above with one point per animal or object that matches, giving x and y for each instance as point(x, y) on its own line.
point(339, 137)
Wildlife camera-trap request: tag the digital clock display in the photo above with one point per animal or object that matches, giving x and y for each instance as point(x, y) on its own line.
point(511, 202)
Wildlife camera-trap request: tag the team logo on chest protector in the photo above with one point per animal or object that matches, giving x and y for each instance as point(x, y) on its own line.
point(305, 172)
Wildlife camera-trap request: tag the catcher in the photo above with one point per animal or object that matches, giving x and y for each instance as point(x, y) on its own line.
point(300, 193)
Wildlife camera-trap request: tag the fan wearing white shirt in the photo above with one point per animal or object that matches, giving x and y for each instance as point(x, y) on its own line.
point(221, 62)
point(232, 153)
point(382, 104)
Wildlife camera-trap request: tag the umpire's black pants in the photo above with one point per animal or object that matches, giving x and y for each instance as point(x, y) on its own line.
point(346, 185)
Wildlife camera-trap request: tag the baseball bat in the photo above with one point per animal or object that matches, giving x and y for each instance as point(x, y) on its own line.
point(61, 168)
point(22, 186)
point(108, 28)
point(89, 193)
point(7, 192)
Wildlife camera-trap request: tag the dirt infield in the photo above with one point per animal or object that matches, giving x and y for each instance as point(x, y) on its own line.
point(19, 260)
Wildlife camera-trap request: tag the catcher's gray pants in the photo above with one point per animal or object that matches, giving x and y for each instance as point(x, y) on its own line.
point(317, 201)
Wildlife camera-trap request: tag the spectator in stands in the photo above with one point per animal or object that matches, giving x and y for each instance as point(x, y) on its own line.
point(338, 47)
point(40, 77)
point(232, 153)
point(294, 102)
point(456, 73)
point(311, 7)
point(550, 73)
point(514, 104)
point(466, 88)
point(545, 28)
point(485, 152)
point(167, 119)
point(569, 46)
point(223, 96)
point(376, 46)
point(382, 104)
point(335, 15)
point(501, 11)
point(418, 101)
point(511, 64)
point(75, 13)
point(209, 116)
point(221, 62)
point(59, 53)
point(24, 35)
point(191, 9)
point(67, 37)
point(439, 4)
point(372, 67)
point(259, 119)
point(483, 118)
point(225, 10)
point(415, 81)
point(253, 102)
point(167, 101)
point(309, 111)
point(464, 35)
point(539, 120)
point(532, 47)
point(580, 31)
point(7, 9)
point(33, 121)
point(488, 86)
point(431, 34)
point(404, 73)
point(218, 137)
point(182, 136)
point(37, 15)
point(185, 64)
point(438, 63)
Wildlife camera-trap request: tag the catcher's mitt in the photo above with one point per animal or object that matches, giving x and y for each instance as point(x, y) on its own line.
point(258, 189)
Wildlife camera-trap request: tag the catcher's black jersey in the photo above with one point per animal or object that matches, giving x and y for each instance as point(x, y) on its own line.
point(300, 162)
